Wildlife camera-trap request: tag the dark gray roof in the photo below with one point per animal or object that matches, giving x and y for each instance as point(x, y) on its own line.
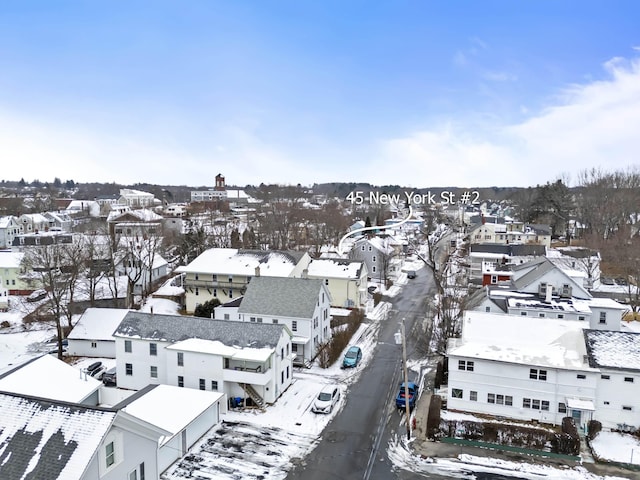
point(175, 328)
point(611, 349)
point(513, 250)
point(540, 267)
point(50, 440)
point(282, 297)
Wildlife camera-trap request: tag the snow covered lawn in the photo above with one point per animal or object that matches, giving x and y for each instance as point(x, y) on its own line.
point(617, 447)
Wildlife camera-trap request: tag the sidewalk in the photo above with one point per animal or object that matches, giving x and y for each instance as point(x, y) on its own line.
point(430, 449)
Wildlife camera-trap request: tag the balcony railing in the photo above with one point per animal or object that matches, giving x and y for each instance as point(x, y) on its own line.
point(253, 376)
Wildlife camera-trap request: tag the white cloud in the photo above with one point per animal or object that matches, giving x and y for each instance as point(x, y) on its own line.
point(590, 125)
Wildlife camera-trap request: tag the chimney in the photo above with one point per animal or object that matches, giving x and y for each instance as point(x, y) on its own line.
point(258, 271)
point(548, 293)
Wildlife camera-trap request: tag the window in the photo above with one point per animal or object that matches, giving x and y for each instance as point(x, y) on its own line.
point(275, 320)
point(544, 405)
point(259, 320)
point(456, 393)
point(180, 359)
point(562, 407)
point(627, 407)
point(628, 379)
point(491, 398)
point(128, 368)
point(541, 315)
point(94, 344)
point(180, 381)
point(294, 325)
point(127, 346)
point(215, 292)
point(202, 384)
point(373, 269)
point(294, 347)
point(153, 349)
point(508, 400)
point(230, 293)
point(487, 309)
point(230, 279)
point(226, 316)
point(580, 317)
point(153, 371)
point(473, 396)
point(606, 403)
point(494, 279)
point(500, 399)
point(214, 385)
point(142, 471)
point(197, 291)
point(605, 377)
point(536, 374)
point(373, 258)
point(110, 454)
point(326, 281)
point(133, 475)
point(526, 403)
point(282, 376)
point(465, 365)
point(252, 319)
point(560, 315)
point(524, 314)
point(581, 376)
point(603, 317)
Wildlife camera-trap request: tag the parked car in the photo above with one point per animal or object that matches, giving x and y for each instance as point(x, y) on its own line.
point(98, 373)
point(411, 392)
point(94, 366)
point(109, 377)
point(36, 295)
point(352, 357)
point(326, 399)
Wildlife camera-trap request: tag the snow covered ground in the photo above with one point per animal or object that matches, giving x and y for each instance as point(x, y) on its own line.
point(617, 447)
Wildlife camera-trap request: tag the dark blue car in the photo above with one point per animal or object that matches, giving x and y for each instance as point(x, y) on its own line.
point(411, 392)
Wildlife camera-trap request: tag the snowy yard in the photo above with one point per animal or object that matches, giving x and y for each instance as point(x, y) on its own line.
point(617, 447)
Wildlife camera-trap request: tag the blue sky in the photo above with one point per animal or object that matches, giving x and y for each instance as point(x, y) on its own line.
point(417, 93)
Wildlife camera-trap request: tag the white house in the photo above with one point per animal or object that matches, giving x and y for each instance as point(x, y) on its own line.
point(541, 275)
point(92, 335)
point(345, 279)
point(302, 304)
point(224, 273)
point(49, 439)
point(617, 356)
point(9, 229)
point(193, 413)
point(521, 367)
point(239, 359)
point(136, 198)
point(48, 377)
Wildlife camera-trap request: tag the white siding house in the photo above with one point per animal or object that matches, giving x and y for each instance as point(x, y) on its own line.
point(92, 335)
point(235, 358)
point(302, 304)
point(345, 279)
point(520, 367)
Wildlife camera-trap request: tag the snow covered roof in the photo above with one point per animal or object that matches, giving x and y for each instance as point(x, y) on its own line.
point(231, 261)
point(216, 347)
point(97, 324)
point(185, 405)
point(546, 342)
point(7, 220)
point(10, 259)
point(282, 297)
point(610, 349)
point(48, 377)
point(172, 328)
point(48, 440)
point(335, 268)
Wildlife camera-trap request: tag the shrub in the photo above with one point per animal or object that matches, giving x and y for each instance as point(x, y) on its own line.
point(5, 324)
point(433, 420)
point(330, 352)
point(593, 428)
point(206, 309)
point(567, 442)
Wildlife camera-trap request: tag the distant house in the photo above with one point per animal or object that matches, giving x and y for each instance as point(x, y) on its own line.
point(11, 273)
point(33, 223)
point(37, 239)
point(376, 253)
point(48, 377)
point(506, 234)
point(497, 255)
point(92, 335)
point(541, 276)
point(9, 228)
point(137, 198)
point(142, 263)
point(224, 273)
point(302, 304)
point(84, 208)
point(134, 222)
point(238, 359)
point(60, 221)
point(345, 279)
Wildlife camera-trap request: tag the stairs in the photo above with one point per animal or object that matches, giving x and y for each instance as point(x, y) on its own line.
point(253, 395)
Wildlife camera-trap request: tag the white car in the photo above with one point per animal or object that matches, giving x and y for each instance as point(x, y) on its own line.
point(326, 399)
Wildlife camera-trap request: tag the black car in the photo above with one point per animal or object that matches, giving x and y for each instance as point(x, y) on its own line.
point(109, 377)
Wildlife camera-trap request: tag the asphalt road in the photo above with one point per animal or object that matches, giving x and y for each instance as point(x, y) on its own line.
point(354, 444)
